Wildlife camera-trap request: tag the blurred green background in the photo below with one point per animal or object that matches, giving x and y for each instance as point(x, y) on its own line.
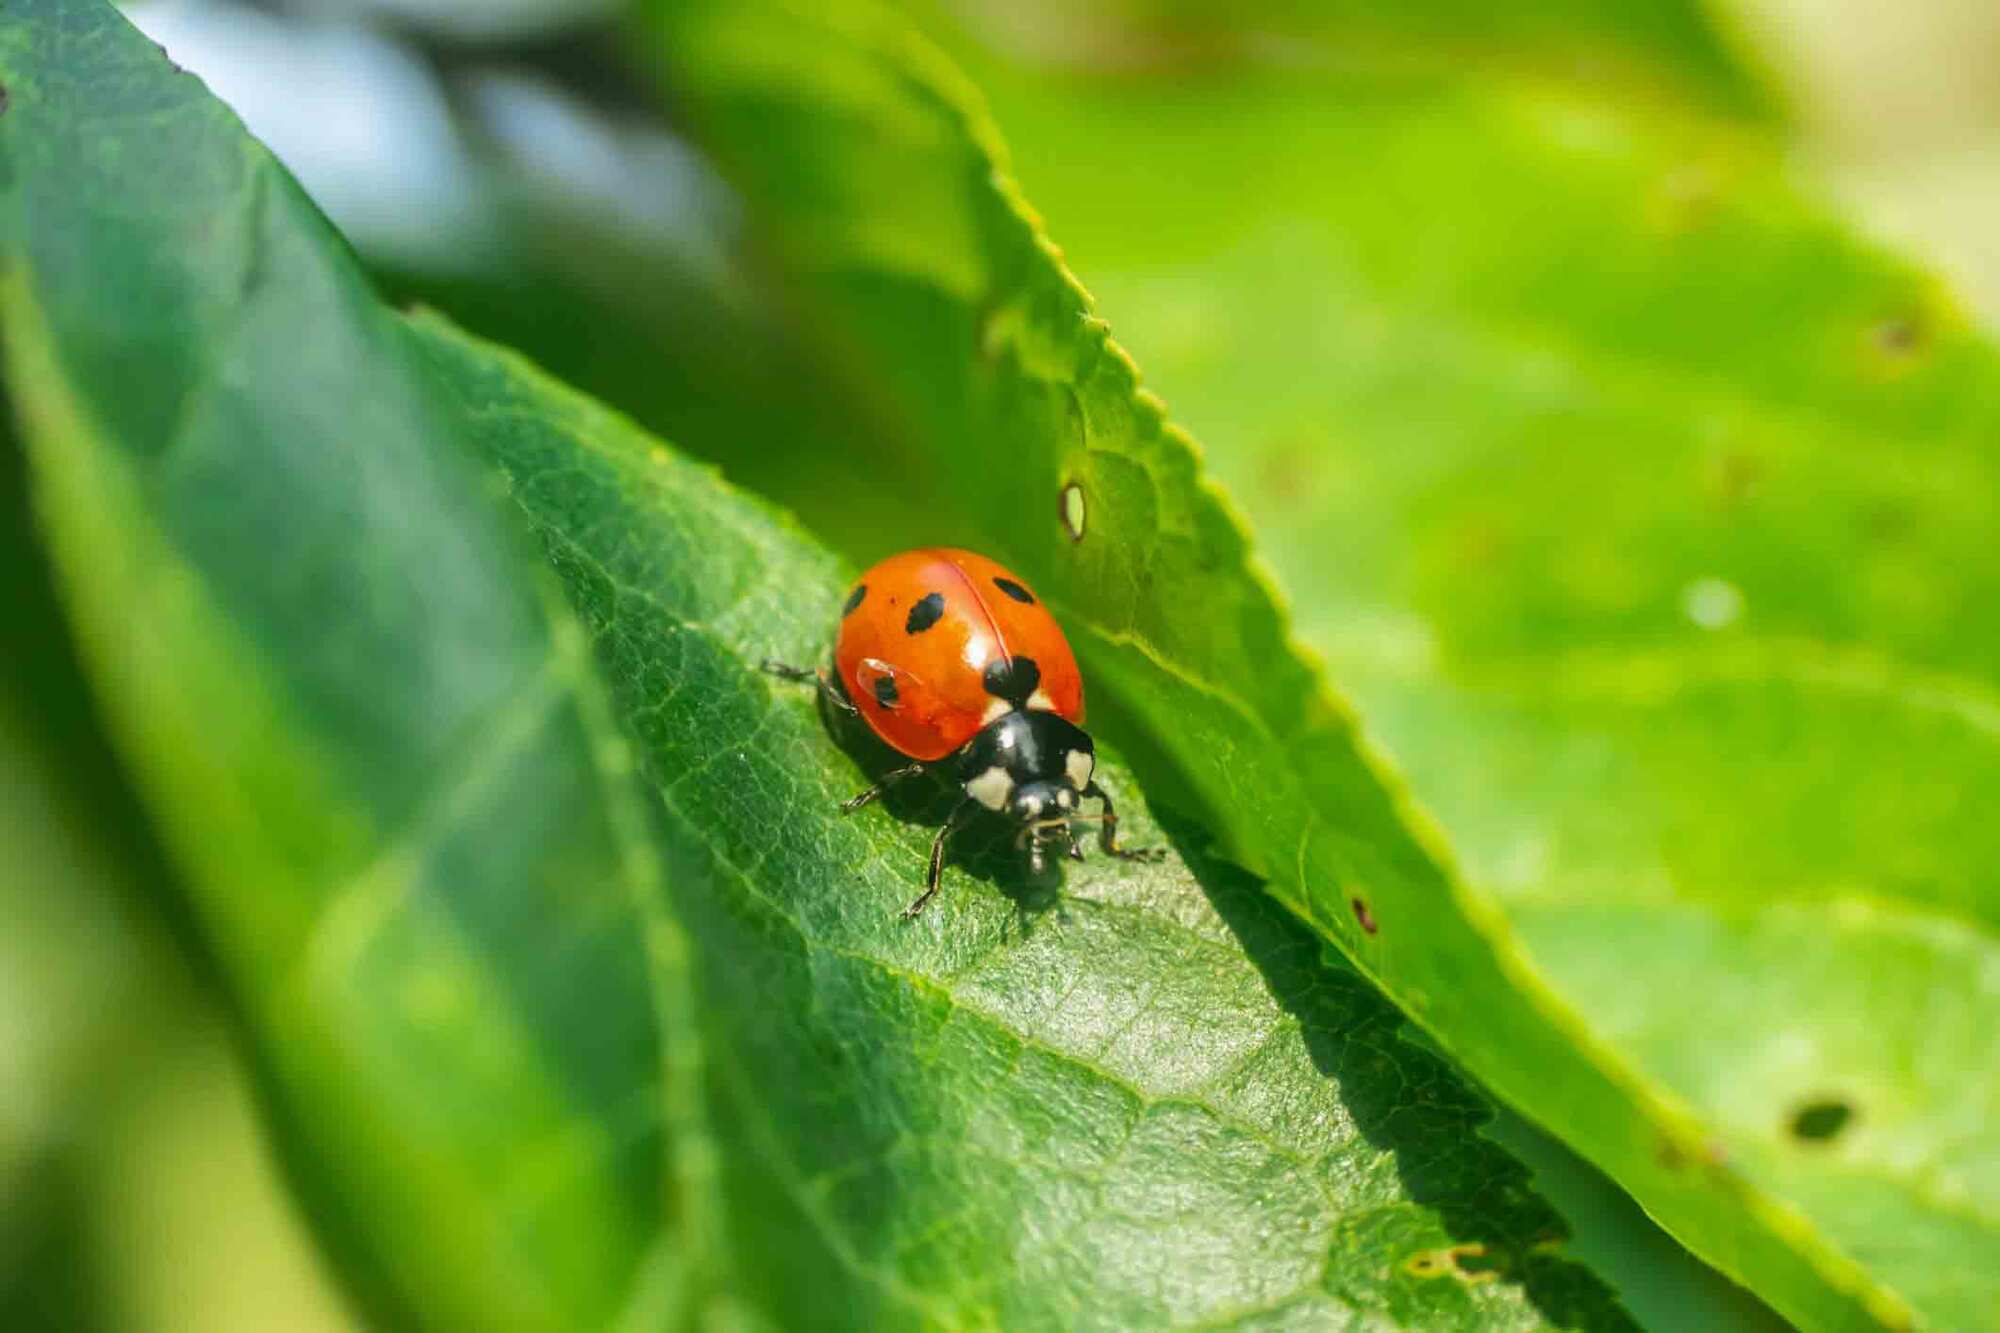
point(504, 161)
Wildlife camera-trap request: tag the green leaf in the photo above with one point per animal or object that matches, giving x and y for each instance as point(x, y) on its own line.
point(367, 741)
point(575, 1001)
point(995, 1116)
point(1666, 586)
point(1661, 977)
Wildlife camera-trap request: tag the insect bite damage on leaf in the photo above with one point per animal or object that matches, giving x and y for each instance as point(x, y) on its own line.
point(1071, 508)
point(1469, 1263)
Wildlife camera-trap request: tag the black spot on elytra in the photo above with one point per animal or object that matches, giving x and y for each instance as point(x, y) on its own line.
point(1820, 1120)
point(929, 609)
point(885, 691)
point(1013, 590)
point(1013, 679)
point(854, 599)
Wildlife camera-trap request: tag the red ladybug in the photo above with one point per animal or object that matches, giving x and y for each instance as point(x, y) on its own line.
point(950, 658)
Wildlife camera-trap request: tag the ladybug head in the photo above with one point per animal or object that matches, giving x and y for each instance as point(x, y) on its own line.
point(1037, 802)
point(1034, 767)
point(1043, 810)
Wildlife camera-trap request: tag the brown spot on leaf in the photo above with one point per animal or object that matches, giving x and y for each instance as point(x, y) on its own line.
point(1899, 336)
point(1894, 346)
point(1362, 915)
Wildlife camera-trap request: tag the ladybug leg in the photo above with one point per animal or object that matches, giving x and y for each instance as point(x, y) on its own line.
point(937, 860)
point(889, 779)
point(1107, 837)
point(828, 690)
point(786, 671)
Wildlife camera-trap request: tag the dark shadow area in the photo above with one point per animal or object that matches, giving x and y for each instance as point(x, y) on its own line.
point(1447, 1139)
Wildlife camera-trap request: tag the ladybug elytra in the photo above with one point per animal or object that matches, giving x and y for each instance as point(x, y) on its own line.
point(951, 660)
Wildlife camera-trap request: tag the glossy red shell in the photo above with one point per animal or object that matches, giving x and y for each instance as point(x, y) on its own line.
point(920, 680)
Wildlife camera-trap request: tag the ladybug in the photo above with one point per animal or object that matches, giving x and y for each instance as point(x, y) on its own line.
point(952, 661)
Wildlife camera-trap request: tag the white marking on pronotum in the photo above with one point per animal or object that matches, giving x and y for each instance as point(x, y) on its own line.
point(991, 788)
point(1040, 699)
point(1079, 765)
point(995, 710)
point(1073, 511)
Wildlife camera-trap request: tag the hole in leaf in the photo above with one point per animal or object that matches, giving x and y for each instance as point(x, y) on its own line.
point(1363, 915)
point(1821, 1120)
point(1073, 510)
